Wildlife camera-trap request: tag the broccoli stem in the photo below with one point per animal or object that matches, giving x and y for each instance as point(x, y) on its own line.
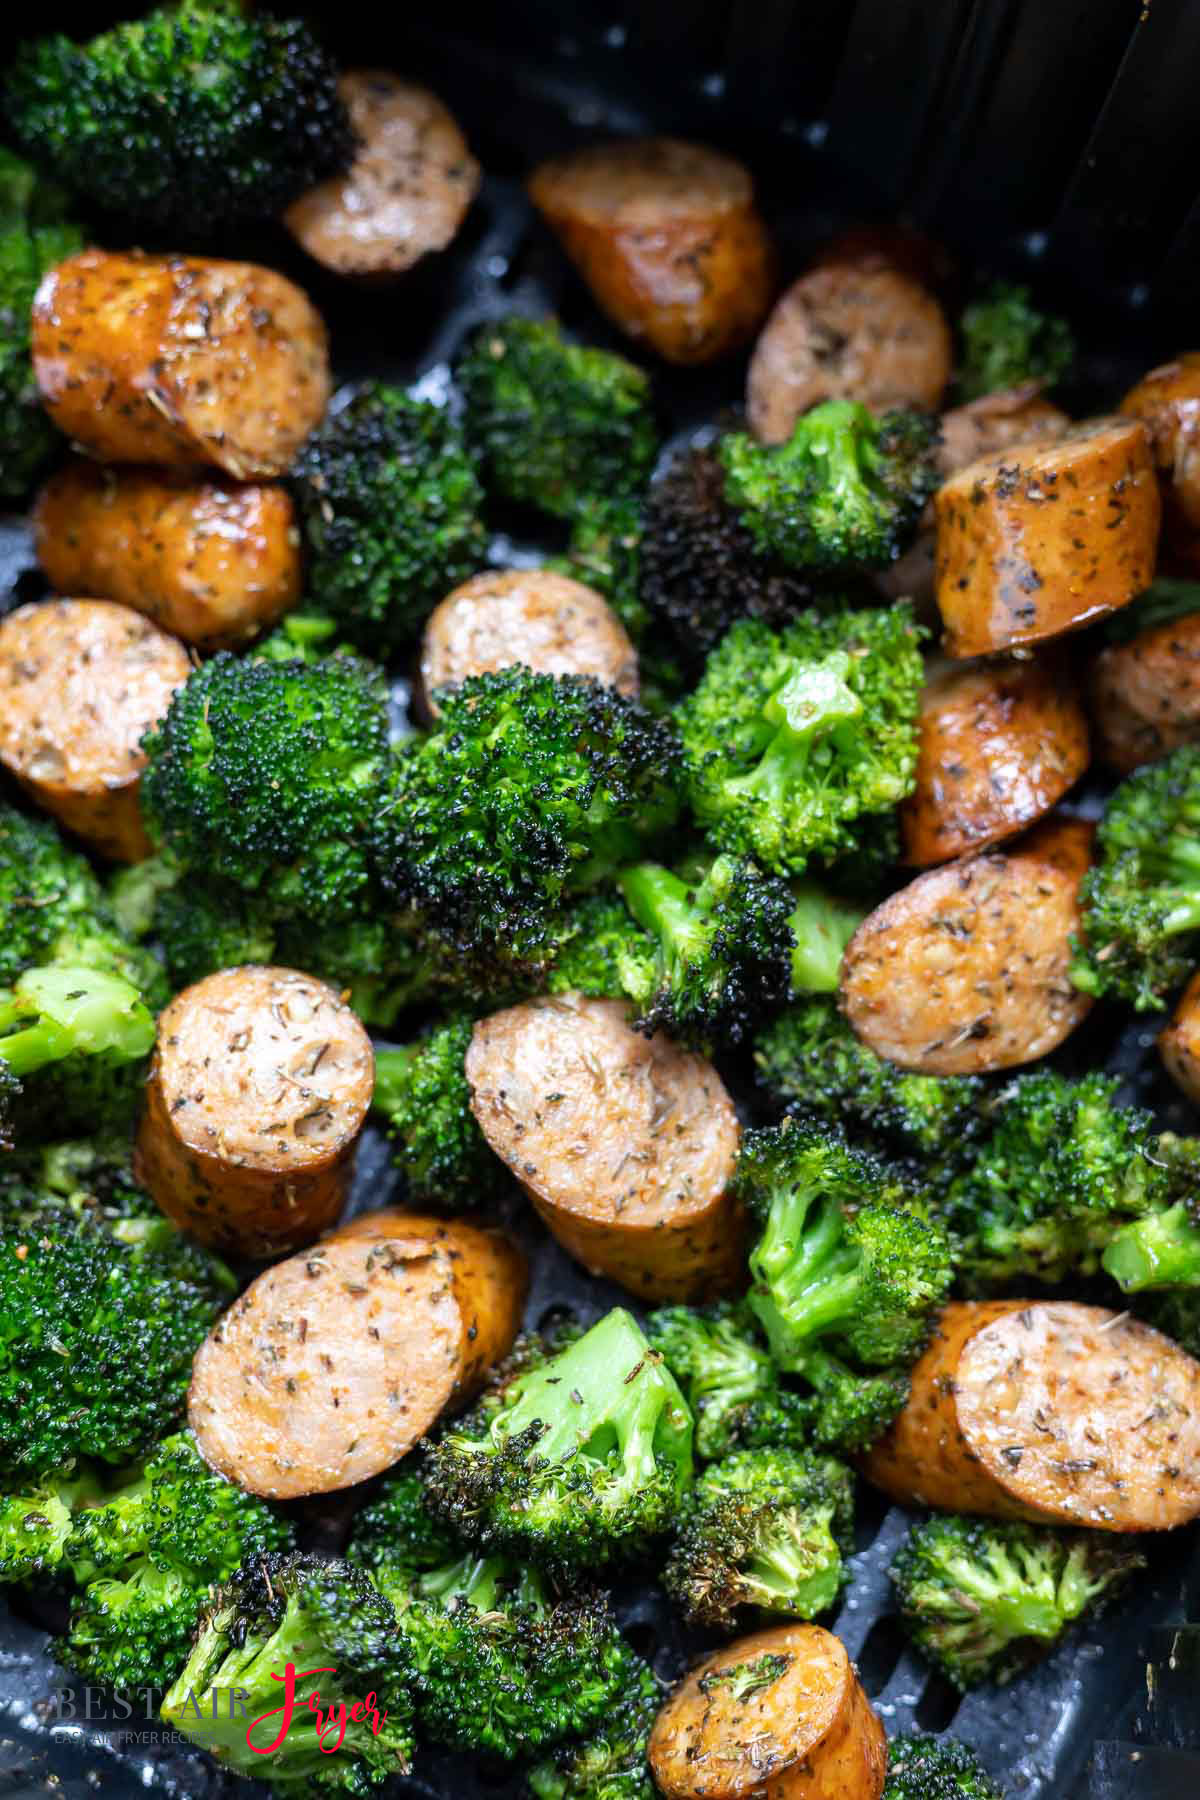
point(810, 703)
point(1161, 1250)
point(813, 1275)
point(391, 1077)
point(665, 906)
point(474, 1579)
point(822, 926)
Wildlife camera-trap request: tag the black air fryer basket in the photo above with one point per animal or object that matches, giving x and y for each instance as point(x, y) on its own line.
point(1052, 140)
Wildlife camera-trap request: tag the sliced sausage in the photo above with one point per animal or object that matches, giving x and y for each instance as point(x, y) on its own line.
point(179, 360)
point(780, 1715)
point(1179, 1042)
point(1000, 744)
point(212, 561)
point(965, 969)
point(1145, 695)
point(259, 1088)
point(407, 191)
point(1167, 401)
point(333, 1364)
point(550, 623)
point(80, 682)
point(668, 238)
point(847, 332)
point(1048, 1410)
point(1042, 538)
point(625, 1144)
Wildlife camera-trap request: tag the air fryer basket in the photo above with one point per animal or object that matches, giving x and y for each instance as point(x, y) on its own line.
point(1054, 140)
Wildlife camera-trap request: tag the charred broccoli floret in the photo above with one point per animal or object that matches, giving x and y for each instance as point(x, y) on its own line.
point(34, 235)
point(611, 1763)
point(421, 1091)
point(1008, 341)
point(923, 1767)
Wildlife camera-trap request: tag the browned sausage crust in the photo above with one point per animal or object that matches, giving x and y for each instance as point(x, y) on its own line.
point(333, 1364)
point(1000, 744)
point(1048, 1410)
point(258, 1091)
point(847, 332)
point(1042, 538)
point(1145, 695)
point(212, 561)
point(1167, 401)
point(965, 969)
point(667, 236)
point(1179, 1042)
point(625, 1144)
point(780, 1715)
point(179, 360)
point(80, 682)
point(405, 194)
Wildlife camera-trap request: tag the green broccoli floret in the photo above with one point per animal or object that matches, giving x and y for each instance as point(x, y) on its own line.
point(983, 1600)
point(300, 637)
point(579, 1461)
point(604, 552)
point(76, 1040)
point(558, 425)
point(597, 949)
point(611, 1764)
point(51, 903)
point(1141, 897)
point(194, 118)
point(203, 926)
point(923, 1767)
point(37, 1522)
point(34, 235)
point(715, 1356)
point(793, 739)
point(1007, 341)
point(319, 1616)
point(845, 491)
point(765, 1530)
point(421, 1090)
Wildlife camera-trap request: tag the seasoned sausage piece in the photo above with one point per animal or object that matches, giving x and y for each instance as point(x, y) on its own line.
point(780, 1715)
point(625, 1144)
point(1179, 1042)
point(80, 681)
point(1167, 401)
point(1000, 744)
point(1048, 1410)
point(405, 194)
point(179, 360)
point(550, 623)
point(1145, 695)
point(259, 1088)
point(847, 332)
point(965, 969)
point(333, 1364)
point(668, 238)
point(1042, 538)
point(212, 561)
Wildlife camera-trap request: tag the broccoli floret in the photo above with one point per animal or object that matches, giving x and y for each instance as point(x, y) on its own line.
point(421, 1090)
point(267, 776)
point(599, 950)
point(558, 425)
point(48, 892)
point(794, 738)
point(131, 1632)
point(37, 1523)
point(580, 1461)
point(716, 1358)
point(194, 118)
point(611, 1764)
point(533, 787)
point(76, 1040)
point(923, 1767)
point(766, 1530)
point(982, 1600)
point(389, 504)
point(1007, 341)
point(34, 235)
point(300, 637)
point(319, 1616)
point(604, 552)
point(203, 926)
point(845, 491)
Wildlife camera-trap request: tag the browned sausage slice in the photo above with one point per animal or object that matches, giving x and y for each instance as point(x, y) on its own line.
point(550, 623)
point(405, 194)
point(260, 1085)
point(1042, 538)
point(780, 1715)
point(1179, 1042)
point(1145, 695)
point(212, 561)
point(179, 360)
point(80, 681)
point(333, 1364)
point(625, 1144)
point(847, 332)
point(1167, 401)
point(667, 236)
point(1048, 1410)
point(1000, 744)
point(965, 969)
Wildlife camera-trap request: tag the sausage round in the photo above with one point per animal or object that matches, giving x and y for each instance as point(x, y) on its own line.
point(1167, 401)
point(179, 360)
point(625, 1144)
point(212, 561)
point(333, 1364)
point(847, 331)
point(550, 623)
point(667, 236)
point(1000, 744)
point(965, 969)
point(1042, 538)
point(259, 1088)
point(1179, 1042)
point(1048, 1410)
point(405, 194)
point(80, 682)
point(1145, 695)
point(780, 1715)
